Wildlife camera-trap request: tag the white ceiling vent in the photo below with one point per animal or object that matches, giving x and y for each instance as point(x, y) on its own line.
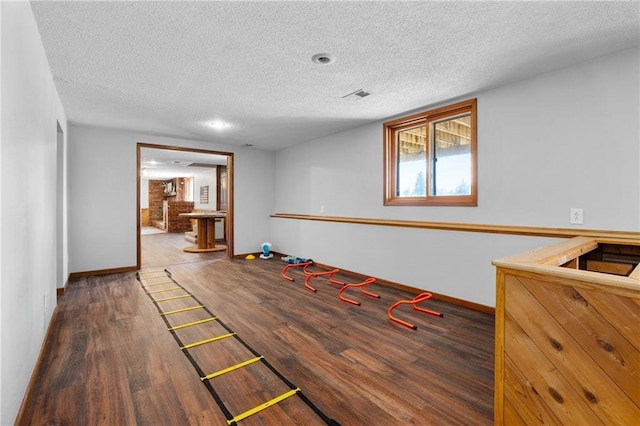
point(354, 96)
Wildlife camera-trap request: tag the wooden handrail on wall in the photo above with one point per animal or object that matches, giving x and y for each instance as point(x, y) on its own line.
point(530, 231)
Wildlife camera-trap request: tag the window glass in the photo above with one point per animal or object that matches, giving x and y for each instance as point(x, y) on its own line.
point(452, 159)
point(412, 162)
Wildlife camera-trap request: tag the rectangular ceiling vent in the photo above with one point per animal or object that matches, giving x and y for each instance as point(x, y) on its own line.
point(211, 166)
point(354, 96)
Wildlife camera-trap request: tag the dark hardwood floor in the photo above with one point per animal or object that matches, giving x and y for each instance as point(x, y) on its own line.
point(110, 360)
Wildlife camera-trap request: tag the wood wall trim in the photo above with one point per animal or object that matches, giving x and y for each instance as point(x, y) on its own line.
point(530, 231)
point(60, 290)
point(74, 275)
point(33, 380)
point(276, 255)
point(243, 255)
point(230, 219)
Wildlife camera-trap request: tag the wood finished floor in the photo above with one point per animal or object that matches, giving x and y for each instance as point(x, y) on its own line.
point(160, 250)
point(110, 360)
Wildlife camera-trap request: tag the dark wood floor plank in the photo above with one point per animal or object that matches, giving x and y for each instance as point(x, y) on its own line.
point(108, 390)
point(157, 406)
point(110, 348)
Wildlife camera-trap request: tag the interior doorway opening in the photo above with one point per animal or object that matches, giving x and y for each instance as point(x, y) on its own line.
point(60, 208)
point(188, 179)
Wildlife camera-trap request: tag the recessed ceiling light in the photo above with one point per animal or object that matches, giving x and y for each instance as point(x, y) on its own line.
point(219, 124)
point(323, 58)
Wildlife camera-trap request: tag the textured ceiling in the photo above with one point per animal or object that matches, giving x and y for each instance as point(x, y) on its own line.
point(171, 68)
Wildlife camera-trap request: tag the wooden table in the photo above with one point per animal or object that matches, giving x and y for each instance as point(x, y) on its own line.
point(206, 238)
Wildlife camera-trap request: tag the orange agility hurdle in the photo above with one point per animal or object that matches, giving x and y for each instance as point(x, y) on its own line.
point(291, 265)
point(362, 290)
point(319, 274)
point(419, 298)
point(310, 275)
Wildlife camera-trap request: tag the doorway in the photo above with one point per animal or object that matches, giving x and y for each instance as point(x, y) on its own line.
point(60, 209)
point(192, 169)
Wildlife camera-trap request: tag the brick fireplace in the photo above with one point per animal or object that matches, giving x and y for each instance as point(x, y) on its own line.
point(165, 206)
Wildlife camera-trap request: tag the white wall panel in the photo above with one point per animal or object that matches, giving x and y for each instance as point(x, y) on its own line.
point(30, 111)
point(561, 140)
point(102, 202)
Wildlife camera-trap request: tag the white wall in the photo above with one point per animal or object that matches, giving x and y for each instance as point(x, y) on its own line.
point(144, 193)
point(204, 177)
point(102, 195)
point(561, 140)
point(2, 415)
point(30, 111)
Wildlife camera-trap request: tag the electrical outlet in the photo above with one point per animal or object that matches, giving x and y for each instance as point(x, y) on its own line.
point(321, 209)
point(577, 216)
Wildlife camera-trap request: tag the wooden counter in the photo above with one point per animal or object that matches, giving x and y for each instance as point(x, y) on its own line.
point(568, 334)
point(206, 231)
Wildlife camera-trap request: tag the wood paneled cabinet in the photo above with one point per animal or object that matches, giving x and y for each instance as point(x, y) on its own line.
point(568, 334)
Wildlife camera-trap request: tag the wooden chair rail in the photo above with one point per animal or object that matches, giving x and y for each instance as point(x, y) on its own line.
point(531, 231)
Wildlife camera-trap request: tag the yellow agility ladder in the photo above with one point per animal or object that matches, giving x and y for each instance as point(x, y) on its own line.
point(147, 280)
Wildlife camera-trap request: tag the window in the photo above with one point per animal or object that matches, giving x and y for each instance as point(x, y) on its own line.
point(430, 158)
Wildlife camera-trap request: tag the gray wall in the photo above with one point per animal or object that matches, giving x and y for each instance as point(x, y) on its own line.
point(102, 195)
point(560, 140)
point(28, 196)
